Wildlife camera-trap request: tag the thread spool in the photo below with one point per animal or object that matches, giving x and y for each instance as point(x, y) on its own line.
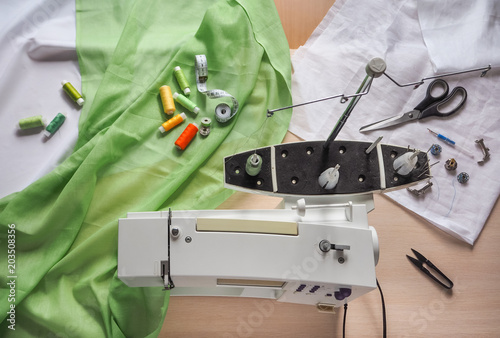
point(72, 92)
point(186, 103)
point(182, 80)
point(54, 125)
point(174, 121)
point(32, 122)
point(329, 178)
point(167, 100)
point(405, 163)
point(253, 165)
point(187, 136)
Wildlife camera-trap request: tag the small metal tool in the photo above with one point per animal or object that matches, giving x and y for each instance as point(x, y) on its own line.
point(421, 260)
point(435, 103)
point(421, 191)
point(486, 151)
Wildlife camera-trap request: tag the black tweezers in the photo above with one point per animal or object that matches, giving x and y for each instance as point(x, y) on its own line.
point(421, 260)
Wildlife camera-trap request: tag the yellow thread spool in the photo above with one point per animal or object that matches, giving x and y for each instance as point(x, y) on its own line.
point(167, 100)
point(174, 121)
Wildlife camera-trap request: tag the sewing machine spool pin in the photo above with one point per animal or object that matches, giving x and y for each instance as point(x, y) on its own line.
point(325, 246)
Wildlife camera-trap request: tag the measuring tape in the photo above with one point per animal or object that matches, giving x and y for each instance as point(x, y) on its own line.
point(223, 112)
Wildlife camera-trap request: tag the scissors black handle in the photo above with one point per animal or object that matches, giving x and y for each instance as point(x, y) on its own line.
point(440, 86)
point(441, 108)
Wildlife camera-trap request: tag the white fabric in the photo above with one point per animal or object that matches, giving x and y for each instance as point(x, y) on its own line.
point(333, 61)
point(37, 40)
point(461, 33)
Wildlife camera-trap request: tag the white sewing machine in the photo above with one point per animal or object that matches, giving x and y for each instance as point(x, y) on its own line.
point(323, 255)
point(317, 249)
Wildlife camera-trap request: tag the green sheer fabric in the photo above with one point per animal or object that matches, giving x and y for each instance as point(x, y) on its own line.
point(66, 223)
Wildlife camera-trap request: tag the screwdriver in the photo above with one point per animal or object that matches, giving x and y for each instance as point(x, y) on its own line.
point(451, 142)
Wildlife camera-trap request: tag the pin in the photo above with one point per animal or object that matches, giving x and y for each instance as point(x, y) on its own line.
point(373, 145)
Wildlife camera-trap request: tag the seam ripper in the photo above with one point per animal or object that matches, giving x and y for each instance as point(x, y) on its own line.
point(451, 142)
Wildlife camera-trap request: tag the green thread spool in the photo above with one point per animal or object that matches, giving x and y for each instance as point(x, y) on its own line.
point(182, 80)
point(254, 165)
point(32, 122)
point(55, 124)
point(72, 92)
point(187, 103)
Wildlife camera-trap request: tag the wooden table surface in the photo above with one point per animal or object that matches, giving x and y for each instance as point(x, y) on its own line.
point(415, 306)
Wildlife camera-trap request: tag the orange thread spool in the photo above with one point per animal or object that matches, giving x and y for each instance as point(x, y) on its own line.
point(187, 135)
point(174, 121)
point(167, 100)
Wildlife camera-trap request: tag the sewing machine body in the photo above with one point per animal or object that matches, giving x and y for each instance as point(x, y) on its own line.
point(316, 249)
point(252, 253)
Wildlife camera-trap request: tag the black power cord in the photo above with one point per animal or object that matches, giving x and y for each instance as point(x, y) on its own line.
point(384, 320)
point(345, 315)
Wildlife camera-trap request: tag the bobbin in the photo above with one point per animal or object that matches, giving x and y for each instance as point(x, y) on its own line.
point(451, 164)
point(205, 126)
point(463, 177)
point(436, 149)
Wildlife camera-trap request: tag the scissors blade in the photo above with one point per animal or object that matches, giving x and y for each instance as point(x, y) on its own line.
point(391, 121)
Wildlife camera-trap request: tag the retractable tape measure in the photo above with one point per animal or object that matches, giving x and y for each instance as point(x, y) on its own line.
point(223, 112)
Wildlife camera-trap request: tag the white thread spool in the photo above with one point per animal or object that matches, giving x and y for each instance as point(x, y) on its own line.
point(329, 178)
point(405, 163)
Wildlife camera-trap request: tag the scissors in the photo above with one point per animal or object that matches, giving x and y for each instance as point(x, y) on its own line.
point(421, 260)
point(435, 103)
